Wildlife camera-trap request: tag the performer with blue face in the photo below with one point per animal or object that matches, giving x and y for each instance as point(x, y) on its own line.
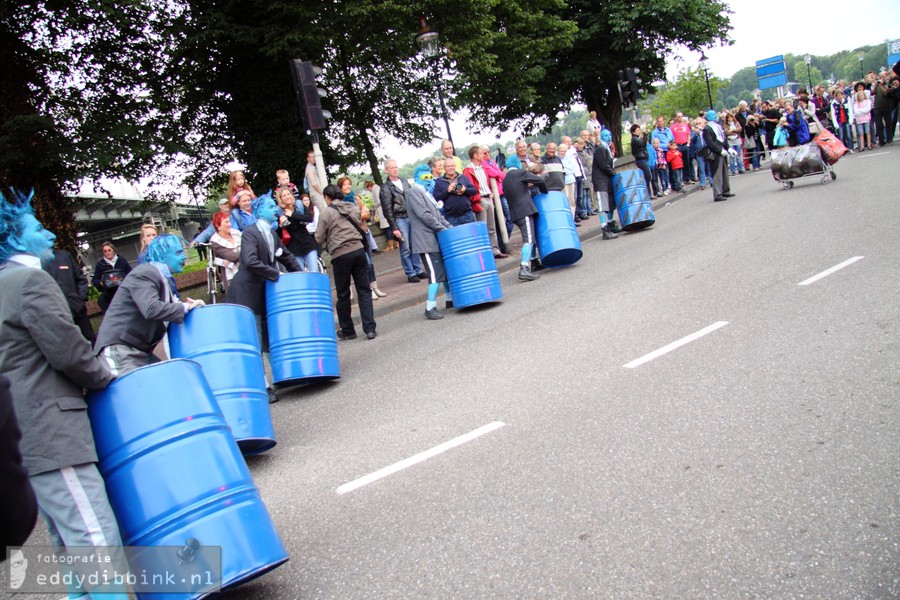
point(602, 172)
point(147, 301)
point(260, 250)
point(49, 364)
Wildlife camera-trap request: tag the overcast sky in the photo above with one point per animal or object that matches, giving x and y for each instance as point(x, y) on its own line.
point(817, 28)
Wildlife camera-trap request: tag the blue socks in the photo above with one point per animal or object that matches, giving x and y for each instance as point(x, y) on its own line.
point(527, 249)
point(432, 295)
point(447, 295)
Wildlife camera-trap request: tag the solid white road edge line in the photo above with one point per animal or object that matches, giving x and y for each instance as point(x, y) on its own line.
point(868, 155)
point(828, 272)
point(421, 457)
point(676, 344)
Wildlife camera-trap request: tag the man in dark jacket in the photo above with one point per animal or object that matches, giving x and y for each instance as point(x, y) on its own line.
point(714, 139)
point(601, 175)
point(74, 286)
point(425, 223)
point(260, 250)
point(641, 157)
point(456, 193)
point(393, 205)
point(522, 210)
point(18, 506)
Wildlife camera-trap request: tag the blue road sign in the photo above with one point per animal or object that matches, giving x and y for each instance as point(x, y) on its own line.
point(893, 50)
point(771, 72)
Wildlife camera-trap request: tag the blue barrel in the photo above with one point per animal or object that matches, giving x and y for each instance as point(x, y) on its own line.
point(470, 265)
point(557, 239)
point(632, 200)
point(223, 339)
point(175, 475)
point(302, 337)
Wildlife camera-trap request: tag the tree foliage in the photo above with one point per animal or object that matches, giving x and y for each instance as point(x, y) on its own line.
point(609, 36)
point(687, 94)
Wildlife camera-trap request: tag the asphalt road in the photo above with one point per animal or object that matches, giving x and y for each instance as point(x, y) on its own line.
point(757, 460)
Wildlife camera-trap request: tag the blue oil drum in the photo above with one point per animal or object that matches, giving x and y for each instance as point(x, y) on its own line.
point(557, 238)
point(302, 336)
point(174, 474)
point(223, 339)
point(632, 200)
point(470, 265)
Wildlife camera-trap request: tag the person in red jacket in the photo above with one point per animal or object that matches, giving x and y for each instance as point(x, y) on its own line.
point(676, 163)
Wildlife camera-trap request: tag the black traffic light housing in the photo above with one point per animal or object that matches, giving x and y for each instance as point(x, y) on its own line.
point(309, 95)
point(629, 87)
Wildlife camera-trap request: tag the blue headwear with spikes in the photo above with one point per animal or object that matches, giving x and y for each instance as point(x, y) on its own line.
point(257, 202)
point(11, 219)
point(163, 246)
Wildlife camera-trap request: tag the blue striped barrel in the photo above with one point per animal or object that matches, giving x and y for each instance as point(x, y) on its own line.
point(632, 200)
point(302, 337)
point(175, 475)
point(470, 265)
point(557, 239)
point(222, 338)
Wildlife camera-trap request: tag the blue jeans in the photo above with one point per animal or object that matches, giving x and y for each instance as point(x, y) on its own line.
point(410, 261)
point(703, 171)
point(455, 220)
point(644, 166)
point(736, 163)
point(845, 133)
point(509, 224)
point(676, 180)
point(662, 178)
point(582, 200)
point(309, 261)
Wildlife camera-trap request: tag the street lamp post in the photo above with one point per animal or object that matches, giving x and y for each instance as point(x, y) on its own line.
point(808, 59)
point(704, 64)
point(862, 55)
point(429, 43)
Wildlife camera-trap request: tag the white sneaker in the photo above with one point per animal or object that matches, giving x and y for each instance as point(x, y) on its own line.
point(666, 193)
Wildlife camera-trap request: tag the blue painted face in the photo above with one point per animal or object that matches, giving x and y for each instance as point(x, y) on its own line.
point(35, 240)
point(606, 136)
point(175, 258)
point(267, 210)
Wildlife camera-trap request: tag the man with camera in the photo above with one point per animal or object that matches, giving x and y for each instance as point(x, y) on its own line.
point(458, 195)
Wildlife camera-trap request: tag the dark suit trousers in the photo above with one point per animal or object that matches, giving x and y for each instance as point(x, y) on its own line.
point(84, 324)
point(354, 264)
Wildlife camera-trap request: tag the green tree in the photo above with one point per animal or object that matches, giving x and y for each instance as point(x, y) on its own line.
point(610, 35)
point(82, 98)
point(801, 76)
point(687, 94)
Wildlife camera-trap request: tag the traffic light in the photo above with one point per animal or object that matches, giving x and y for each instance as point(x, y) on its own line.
point(309, 95)
point(629, 87)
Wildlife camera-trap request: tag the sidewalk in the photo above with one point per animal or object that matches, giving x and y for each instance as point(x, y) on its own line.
point(402, 294)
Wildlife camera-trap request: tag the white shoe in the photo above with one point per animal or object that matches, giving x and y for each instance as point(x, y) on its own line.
point(666, 193)
point(374, 296)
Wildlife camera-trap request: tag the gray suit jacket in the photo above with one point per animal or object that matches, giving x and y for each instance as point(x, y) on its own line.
point(425, 221)
point(49, 363)
point(139, 311)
